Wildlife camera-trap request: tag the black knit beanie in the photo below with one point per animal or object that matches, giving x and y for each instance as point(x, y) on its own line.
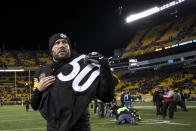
point(55, 37)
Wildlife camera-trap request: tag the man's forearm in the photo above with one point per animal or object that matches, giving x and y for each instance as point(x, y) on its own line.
point(106, 88)
point(35, 100)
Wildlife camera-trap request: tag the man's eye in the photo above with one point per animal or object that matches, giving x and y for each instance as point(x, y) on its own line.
point(56, 43)
point(64, 41)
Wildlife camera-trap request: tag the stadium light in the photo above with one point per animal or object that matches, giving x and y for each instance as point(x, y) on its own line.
point(132, 60)
point(9, 70)
point(151, 11)
point(142, 14)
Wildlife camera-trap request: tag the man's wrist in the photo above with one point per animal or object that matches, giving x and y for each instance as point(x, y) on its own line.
point(37, 91)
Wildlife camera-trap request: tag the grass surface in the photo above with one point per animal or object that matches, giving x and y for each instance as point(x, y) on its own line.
point(15, 118)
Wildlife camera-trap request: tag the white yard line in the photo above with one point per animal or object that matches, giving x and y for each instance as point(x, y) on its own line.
point(153, 107)
point(24, 115)
point(26, 129)
point(155, 121)
point(16, 120)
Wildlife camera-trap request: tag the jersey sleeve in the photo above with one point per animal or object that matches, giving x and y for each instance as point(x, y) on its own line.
point(105, 90)
point(36, 97)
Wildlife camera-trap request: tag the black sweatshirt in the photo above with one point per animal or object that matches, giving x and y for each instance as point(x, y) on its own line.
point(65, 103)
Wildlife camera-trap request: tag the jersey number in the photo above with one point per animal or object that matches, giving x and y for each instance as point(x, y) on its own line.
point(80, 76)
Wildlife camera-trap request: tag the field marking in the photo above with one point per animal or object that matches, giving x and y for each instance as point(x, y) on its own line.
point(4, 115)
point(24, 115)
point(173, 123)
point(16, 120)
point(155, 121)
point(25, 129)
point(154, 107)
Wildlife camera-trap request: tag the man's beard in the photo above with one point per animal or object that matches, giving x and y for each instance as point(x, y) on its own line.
point(58, 58)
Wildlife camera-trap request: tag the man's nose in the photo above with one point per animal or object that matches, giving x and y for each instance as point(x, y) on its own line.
point(61, 44)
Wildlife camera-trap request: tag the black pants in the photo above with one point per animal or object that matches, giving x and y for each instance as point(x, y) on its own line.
point(183, 105)
point(159, 107)
point(169, 105)
point(27, 108)
point(177, 103)
point(95, 107)
point(122, 103)
point(100, 109)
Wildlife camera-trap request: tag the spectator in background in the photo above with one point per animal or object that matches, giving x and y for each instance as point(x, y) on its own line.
point(139, 97)
point(122, 99)
point(1, 102)
point(168, 102)
point(183, 97)
point(158, 101)
point(123, 114)
point(127, 100)
point(27, 102)
point(101, 110)
point(177, 100)
point(95, 105)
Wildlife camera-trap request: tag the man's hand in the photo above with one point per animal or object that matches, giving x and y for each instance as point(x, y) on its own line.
point(93, 57)
point(45, 83)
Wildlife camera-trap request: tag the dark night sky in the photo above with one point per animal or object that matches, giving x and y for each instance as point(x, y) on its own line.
point(92, 25)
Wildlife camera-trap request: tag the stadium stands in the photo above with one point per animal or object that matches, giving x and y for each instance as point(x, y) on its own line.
point(162, 36)
point(7, 59)
point(25, 58)
point(15, 87)
point(145, 82)
point(177, 36)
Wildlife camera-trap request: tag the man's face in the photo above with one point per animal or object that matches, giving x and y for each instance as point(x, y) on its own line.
point(61, 50)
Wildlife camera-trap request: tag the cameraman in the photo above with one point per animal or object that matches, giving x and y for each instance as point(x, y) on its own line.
point(158, 101)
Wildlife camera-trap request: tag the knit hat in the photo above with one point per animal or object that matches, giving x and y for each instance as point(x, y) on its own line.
point(55, 37)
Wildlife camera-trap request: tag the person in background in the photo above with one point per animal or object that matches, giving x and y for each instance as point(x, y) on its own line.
point(177, 100)
point(168, 102)
point(140, 98)
point(27, 102)
point(123, 114)
point(127, 100)
point(122, 98)
point(114, 108)
point(158, 101)
point(1, 103)
point(101, 108)
point(183, 97)
point(95, 105)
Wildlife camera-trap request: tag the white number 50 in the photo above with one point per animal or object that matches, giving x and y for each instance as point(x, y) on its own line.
point(80, 76)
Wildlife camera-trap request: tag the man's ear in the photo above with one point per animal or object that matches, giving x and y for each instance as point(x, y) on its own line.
point(50, 53)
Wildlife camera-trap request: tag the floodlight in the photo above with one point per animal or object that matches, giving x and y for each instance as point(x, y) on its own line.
point(152, 11)
point(142, 14)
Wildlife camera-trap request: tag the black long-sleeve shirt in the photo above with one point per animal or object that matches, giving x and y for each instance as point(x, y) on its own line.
point(157, 97)
point(64, 104)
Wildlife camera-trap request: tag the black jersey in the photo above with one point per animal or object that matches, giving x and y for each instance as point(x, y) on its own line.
point(64, 104)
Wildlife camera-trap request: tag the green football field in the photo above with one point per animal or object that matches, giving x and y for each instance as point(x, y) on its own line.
point(15, 118)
